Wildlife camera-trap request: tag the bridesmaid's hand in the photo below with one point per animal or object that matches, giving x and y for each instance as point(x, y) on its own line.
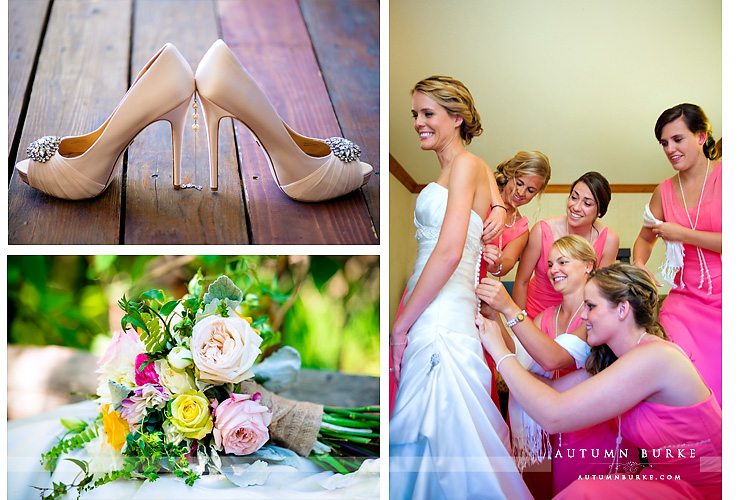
point(493, 225)
point(669, 231)
point(492, 257)
point(492, 337)
point(494, 294)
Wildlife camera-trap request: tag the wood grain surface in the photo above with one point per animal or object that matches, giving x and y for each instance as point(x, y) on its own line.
point(155, 212)
point(271, 40)
point(24, 35)
point(81, 76)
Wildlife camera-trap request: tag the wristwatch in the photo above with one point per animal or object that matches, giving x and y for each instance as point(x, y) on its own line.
point(517, 319)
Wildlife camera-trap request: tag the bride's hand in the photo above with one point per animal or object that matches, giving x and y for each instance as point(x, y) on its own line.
point(494, 294)
point(398, 343)
point(492, 337)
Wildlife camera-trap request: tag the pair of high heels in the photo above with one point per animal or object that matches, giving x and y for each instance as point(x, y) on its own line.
point(305, 169)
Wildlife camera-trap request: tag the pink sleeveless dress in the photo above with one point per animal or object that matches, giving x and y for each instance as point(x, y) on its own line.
point(541, 294)
point(691, 314)
point(683, 448)
point(583, 451)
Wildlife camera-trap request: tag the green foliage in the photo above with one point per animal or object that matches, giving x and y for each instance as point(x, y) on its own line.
point(327, 307)
point(82, 435)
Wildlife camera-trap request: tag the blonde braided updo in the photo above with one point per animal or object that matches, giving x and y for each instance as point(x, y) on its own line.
point(456, 99)
point(524, 163)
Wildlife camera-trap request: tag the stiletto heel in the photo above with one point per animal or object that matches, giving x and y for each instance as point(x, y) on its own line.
point(305, 169)
point(212, 115)
point(177, 119)
point(81, 167)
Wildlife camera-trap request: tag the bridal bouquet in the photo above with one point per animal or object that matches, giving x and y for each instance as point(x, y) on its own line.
point(180, 391)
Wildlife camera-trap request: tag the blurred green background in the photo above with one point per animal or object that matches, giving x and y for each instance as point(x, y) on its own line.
point(327, 307)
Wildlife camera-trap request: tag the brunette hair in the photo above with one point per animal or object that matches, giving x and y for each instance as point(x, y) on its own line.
point(524, 163)
point(599, 187)
point(625, 283)
point(456, 99)
point(576, 247)
point(697, 122)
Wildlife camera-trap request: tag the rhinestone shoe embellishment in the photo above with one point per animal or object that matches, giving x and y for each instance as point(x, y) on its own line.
point(344, 149)
point(43, 149)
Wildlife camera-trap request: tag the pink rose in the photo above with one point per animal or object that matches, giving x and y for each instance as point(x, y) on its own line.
point(117, 362)
point(241, 424)
point(123, 344)
point(148, 374)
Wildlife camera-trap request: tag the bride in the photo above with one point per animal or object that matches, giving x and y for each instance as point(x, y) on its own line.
point(447, 438)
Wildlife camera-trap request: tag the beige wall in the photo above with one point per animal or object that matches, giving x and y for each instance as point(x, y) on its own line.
point(402, 249)
point(582, 81)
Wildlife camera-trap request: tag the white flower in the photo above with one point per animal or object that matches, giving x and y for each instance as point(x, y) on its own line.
point(171, 434)
point(224, 349)
point(176, 382)
point(103, 458)
point(180, 358)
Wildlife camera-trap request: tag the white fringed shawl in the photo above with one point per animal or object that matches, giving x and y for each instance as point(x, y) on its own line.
point(674, 259)
point(530, 442)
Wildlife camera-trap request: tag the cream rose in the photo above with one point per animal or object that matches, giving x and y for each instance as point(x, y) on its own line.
point(176, 382)
point(224, 349)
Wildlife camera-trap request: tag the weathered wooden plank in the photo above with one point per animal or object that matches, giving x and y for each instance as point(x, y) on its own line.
point(80, 78)
point(271, 40)
point(25, 24)
point(346, 38)
point(156, 213)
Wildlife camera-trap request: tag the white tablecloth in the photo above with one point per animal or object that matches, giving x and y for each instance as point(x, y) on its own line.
point(29, 438)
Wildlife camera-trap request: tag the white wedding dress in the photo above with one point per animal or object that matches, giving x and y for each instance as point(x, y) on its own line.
point(447, 438)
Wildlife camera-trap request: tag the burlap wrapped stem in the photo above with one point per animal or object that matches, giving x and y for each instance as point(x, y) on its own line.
point(295, 424)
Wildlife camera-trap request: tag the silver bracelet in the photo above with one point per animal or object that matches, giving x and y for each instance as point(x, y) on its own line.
point(497, 365)
point(402, 343)
point(499, 271)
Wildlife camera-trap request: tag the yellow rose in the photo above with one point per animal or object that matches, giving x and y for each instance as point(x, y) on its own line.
point(191, 414)
point(115, 427)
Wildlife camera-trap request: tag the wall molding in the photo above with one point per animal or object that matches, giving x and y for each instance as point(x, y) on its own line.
point(411, 185)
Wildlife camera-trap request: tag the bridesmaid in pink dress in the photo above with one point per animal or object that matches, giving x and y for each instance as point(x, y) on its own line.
point(519, 179)
point(588, 201)
point(689, 203)
point(662, 404)
point(556, 342)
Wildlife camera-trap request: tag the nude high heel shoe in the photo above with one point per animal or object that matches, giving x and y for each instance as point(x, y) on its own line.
point(80, 167)
point(305, 169)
